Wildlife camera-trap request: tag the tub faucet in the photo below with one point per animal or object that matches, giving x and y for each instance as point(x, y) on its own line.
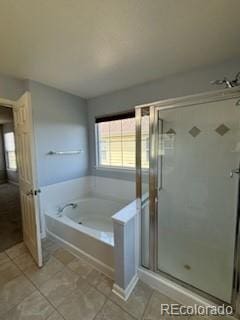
point(61, 209)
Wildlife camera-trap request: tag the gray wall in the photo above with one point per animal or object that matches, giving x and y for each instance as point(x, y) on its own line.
point(11, 88)
point(60, 119)
point(12, 176)
point(60, 123)
point(192, 82)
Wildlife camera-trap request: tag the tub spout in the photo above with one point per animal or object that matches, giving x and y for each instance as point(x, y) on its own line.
point(61, 209)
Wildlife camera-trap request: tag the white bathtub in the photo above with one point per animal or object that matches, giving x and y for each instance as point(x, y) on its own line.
point(87, 229)
point(92, 216)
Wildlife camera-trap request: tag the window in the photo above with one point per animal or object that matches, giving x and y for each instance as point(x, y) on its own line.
point(9, 142)
point(116, 141)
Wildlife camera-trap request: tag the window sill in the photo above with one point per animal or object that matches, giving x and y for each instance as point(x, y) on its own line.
point(122, 169)
point(117, 169)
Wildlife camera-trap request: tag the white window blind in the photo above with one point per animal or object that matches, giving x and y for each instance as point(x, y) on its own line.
point(9, 143)
point(116, 143)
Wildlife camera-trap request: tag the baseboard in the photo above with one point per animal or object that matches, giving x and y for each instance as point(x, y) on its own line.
point(171, 289)
point(125, 293)
point(105, 269)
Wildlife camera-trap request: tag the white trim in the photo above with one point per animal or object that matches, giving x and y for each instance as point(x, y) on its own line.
point(222, 94)
point(127, 213)
point(99, 166)
point(102, 267)
point(11, 170)
point(7, 103)
point(125, 293)
point(96, 145)
point(171, 289)
point(115, 168)
point(120, 169)
point(25, 102)
point(26, 99)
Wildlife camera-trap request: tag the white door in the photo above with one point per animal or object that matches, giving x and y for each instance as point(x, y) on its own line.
point(27, 178)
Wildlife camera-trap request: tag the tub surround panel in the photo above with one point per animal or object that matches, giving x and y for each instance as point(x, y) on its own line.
point(114, 188)
point(122, 174)
point(60, 193)
point(83, 244)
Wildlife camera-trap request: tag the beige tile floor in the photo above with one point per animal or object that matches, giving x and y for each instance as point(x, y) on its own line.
point(67, 288)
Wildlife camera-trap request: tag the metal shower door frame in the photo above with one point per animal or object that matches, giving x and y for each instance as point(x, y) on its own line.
point(154, 110)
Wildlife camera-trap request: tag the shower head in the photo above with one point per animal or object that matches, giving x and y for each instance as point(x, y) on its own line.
point(225, 81)
point(228, 83)
point(236, 81)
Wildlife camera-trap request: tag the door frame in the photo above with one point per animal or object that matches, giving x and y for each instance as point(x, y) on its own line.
point(153, 109)
point(8, 104)
point(13, 104)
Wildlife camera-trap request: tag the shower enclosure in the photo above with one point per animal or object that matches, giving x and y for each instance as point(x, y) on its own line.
point(189, 195)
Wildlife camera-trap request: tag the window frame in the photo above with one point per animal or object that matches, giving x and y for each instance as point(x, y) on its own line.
point(110, 118)
point(7, 158)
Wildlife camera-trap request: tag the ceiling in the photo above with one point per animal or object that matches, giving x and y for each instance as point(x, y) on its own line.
point(91, 47)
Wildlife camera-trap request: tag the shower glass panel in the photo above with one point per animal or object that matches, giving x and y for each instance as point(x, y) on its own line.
point(198, 146)
point(143, 159)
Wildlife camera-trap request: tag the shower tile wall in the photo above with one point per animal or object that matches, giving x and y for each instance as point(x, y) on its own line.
point(199, 146)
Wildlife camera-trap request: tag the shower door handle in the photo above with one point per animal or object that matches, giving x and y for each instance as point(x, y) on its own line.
point(234, 171)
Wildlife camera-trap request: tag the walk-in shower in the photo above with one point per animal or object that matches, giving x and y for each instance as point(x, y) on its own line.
point(189, 216)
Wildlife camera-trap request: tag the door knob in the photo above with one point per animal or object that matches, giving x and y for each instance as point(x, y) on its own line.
point(33, 192)
point(234, 171)
point(29, 193)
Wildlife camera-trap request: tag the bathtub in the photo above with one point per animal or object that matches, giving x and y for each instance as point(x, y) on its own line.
point(87, 230)
point(92, 216)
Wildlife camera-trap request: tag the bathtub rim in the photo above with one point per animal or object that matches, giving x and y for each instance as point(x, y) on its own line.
point(94, 233)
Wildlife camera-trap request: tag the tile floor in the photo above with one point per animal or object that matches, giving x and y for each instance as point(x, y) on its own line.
point(67, 288)
point(10, 216)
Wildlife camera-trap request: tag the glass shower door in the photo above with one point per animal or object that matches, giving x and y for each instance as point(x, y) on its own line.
point(142, 161)
point(197, 148)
